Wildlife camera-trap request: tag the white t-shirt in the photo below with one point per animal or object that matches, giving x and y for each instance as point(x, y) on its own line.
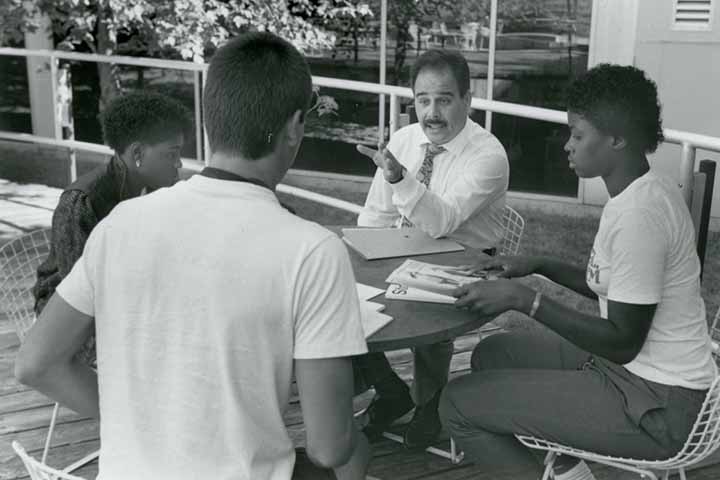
point(203, 294)
point(644, 253)
point(466, 196)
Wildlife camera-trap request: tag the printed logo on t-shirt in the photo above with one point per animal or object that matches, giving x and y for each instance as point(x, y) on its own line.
point(593, 270)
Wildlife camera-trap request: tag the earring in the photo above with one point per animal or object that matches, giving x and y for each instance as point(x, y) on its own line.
point(137, 163)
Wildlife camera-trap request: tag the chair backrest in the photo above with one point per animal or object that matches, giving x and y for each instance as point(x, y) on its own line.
point(19, 260)
point(704, 437)
point(513, 228)
point(700, 205)
point(39, 471)
point(715, 335)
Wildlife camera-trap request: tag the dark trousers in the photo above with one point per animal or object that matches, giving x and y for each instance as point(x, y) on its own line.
point(540, 384)
point(306, 470)
point(431, 367)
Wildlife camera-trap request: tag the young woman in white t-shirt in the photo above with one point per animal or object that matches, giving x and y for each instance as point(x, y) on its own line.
point(630, 381)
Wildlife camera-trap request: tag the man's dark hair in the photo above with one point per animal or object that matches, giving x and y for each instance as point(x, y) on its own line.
point(619, 100)
point(143, 117)
point(255, 83)
point(444, 59)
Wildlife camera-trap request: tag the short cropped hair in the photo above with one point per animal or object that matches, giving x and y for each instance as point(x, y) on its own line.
point(619, 100)
point(143, 117)
point(442, 59)
point(255, 83)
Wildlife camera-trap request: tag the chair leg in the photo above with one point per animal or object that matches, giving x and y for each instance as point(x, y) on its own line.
point(50, 432)
point(455, 456)
point(83, 461)
point(681, 472)
point(549, 462)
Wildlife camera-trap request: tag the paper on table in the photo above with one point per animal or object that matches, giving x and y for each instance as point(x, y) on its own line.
point(401, 292)
point(372, 320)
point(374, 243)
point(366, 292)
point(430, 277)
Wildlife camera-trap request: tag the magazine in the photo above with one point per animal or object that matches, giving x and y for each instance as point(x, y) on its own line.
point(402, 292)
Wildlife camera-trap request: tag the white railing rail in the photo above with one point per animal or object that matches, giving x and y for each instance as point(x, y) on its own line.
point(689, 142)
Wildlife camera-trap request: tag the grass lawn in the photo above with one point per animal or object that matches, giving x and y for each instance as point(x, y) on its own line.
point(545, 234)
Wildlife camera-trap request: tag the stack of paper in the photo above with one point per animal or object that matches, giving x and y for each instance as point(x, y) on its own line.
point(426, 282)
point(374, 243)
point(372, 319)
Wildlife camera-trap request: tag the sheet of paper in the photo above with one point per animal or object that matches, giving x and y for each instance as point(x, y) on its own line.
point(402, 292)
point(372, 320)
point(366, 292)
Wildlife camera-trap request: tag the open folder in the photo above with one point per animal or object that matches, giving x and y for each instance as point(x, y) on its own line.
point(375, 243)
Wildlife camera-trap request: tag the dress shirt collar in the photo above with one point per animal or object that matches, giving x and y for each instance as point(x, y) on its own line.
point(457, 144)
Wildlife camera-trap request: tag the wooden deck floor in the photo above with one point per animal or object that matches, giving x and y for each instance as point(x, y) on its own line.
point(25, 414)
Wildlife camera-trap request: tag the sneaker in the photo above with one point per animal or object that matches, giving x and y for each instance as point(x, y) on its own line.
point(383, 411)
point(425, 426)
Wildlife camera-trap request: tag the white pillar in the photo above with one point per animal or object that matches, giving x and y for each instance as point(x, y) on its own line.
point(42, 103)
point(613, 33)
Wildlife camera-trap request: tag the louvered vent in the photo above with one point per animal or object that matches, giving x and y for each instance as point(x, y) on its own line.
point(693, 14)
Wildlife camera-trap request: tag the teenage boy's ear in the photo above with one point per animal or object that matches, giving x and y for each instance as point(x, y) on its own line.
point(296, 127)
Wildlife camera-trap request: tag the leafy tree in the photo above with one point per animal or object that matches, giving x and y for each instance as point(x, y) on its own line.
point(185, 28)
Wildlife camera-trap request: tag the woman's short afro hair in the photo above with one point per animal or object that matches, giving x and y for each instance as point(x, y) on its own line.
point(619, 100)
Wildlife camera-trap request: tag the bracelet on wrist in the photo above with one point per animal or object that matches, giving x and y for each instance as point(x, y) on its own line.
point(535, 305)
point(399, 177)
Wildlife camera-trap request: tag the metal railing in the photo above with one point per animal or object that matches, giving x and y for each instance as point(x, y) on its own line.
point(689, 142)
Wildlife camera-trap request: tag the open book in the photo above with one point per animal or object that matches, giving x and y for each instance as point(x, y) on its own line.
point(426, 282)
point(402, 292)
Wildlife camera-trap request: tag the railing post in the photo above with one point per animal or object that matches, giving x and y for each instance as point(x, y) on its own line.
point(491, 62)
point(57, 131)
point(206, 144)
point(62, 103)
point(394, 113)
point(383, 66)
point(197, 97)
point(687, 166)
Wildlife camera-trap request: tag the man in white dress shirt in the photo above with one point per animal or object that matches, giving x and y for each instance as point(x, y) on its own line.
point(447, 176)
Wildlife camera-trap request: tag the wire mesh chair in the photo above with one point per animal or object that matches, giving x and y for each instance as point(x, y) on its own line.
point(38, 470)
point(514, 226)
point(704, 439)
point(19, 260)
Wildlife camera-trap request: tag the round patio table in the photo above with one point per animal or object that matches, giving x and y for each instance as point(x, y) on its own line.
point(414, 323)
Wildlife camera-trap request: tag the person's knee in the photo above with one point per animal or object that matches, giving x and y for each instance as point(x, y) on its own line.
point(490, 353)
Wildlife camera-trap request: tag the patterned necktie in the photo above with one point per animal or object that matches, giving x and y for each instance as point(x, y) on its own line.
point(425, 172)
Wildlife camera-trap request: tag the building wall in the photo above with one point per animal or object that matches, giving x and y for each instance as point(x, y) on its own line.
point(686, 67)
point(684, 64)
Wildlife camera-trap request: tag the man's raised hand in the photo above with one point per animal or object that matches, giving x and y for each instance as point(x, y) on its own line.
point(384, 159)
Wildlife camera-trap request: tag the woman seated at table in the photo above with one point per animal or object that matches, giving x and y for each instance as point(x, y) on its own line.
point(146, 131)
point(631, 381)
